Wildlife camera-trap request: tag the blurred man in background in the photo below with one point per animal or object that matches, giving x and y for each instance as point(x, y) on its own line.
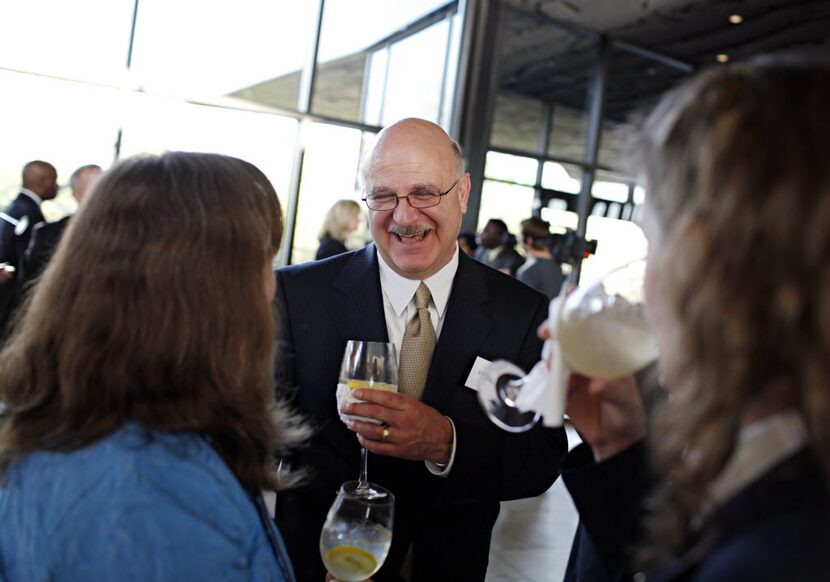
point(39, 183)
point(496, 249)
point(47, 234)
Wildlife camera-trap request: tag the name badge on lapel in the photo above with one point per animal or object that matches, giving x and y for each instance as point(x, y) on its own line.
point(475, 378)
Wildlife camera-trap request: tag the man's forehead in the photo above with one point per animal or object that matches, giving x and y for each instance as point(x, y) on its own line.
point(411, 174)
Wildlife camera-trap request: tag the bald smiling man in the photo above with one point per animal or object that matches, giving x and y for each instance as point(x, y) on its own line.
point(447, 465)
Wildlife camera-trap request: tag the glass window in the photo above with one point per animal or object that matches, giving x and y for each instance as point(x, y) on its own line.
point(451, 72)
point(614, 143)
point(567, 134)
point(562, 177)
point(559, 218)
point(375, 87)
point(517, 123)
point(618, 242)
point(82, 39)
point(509, 202)
point(65, 123)
point(634, 85)
point(156, 124)
point(244, 49)
point(351, 31)
point(416, 75)
point(511, 168)
point(543, 70)
point(611, 186)
point(330, 169)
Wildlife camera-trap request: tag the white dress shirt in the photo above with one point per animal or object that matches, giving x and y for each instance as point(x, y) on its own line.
point(760, 446)
point(38, 200)
point(399, 308)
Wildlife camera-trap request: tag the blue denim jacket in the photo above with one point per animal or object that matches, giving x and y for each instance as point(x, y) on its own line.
point(136, 505)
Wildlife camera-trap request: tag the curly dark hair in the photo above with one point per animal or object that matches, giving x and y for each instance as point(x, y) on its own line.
point(737, 170)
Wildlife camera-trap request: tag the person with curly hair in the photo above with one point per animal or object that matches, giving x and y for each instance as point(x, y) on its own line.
point(728, 477)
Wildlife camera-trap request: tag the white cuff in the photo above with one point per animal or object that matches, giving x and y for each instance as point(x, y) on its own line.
point(440, 469)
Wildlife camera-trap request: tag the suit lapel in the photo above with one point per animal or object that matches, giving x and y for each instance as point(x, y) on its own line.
point(358, 314)
point(467, 324)
point(358, 306)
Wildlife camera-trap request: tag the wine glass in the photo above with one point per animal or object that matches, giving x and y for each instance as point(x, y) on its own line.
point(357, 533)
point(599, 330)
point(368, 365)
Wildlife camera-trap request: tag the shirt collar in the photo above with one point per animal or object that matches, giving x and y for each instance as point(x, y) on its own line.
point(400, 290)
point(32, 195)
point(760, 446)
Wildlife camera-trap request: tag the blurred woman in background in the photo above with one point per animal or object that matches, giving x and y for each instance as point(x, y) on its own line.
point(737, 171)
point(342, 219)
point(140, 425)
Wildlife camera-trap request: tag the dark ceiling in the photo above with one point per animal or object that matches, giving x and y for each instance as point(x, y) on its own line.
point(549, 50)
point(542, 60)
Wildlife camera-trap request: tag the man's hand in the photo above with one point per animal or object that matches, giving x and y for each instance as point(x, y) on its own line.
point(609, 414)
point(410, 430)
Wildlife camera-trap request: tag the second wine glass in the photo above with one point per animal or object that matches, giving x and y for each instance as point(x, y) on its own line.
point(357, 533)
point(371, 365)
point(601, 332)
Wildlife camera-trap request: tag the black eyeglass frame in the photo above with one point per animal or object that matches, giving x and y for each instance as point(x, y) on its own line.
point(437, 198)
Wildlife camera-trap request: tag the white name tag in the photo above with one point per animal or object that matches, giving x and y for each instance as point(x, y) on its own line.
point(475, 378)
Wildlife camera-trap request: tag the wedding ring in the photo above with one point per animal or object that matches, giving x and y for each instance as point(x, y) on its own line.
point(385, 434)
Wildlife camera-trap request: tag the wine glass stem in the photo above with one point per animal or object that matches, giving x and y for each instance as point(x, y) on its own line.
point(363, 480)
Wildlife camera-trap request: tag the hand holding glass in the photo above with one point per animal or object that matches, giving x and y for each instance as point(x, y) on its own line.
point(601, 332)
point(371, 365)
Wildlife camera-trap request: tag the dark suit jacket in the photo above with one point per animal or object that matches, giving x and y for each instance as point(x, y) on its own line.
point(329, 247)
point(449, 521)
point(12, 247)
point(44, 241)
point(508, 258)
point(776, 529)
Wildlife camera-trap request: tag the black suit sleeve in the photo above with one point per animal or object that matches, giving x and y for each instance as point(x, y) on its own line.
point(285, 382)
point(609, 497)
point(493, 464)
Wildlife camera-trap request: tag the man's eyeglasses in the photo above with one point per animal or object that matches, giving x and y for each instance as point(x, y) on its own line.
point(421, 198)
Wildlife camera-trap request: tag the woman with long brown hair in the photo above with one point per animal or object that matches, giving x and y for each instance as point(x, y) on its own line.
point(737, 482)
point(139, 423)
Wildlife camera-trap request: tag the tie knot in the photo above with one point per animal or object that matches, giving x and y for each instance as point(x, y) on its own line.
point(422, 296)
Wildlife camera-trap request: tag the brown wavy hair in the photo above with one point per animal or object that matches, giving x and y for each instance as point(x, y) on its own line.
point(154, 310)
point(737, 169)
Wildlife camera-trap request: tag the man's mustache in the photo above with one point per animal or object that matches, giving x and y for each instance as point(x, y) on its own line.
point(408, 230)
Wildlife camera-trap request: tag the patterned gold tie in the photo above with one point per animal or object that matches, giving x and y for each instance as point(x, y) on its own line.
point(417, 346)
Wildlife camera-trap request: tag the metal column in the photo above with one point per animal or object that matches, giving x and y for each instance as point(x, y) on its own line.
point(596, 106)
point(480, 87)
point(304, 99)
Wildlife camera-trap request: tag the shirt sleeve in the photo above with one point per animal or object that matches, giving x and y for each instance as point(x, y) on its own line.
point(444, 470)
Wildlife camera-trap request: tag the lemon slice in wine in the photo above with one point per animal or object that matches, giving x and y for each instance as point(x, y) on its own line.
point(350, 563)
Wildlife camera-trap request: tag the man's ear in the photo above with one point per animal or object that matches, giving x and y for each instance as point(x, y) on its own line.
point(464, 191)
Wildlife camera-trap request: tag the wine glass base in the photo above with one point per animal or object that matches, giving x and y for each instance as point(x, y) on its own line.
point(497, 398)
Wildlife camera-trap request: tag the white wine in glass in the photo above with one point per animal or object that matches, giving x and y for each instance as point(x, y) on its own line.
point(357, 533)
point(371, 365)
point(602, 331)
